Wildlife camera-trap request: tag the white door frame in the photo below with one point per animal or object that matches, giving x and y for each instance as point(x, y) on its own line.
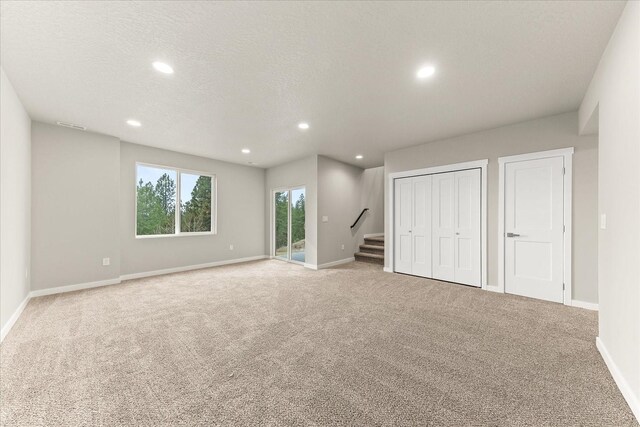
point(567, 154)
point(272, 250)
point(478, 164)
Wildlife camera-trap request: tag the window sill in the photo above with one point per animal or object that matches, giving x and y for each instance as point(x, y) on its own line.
point(158, 236)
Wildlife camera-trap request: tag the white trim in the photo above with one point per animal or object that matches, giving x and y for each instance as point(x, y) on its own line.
point(14, 318)
point(627, 392)
point(584, 304)
point(477, 164)
point(306, 265)
point(567, 154)
point(335, 263)
point(366, 236)
point(76, 287)
point(190, 267)
point(387, 270)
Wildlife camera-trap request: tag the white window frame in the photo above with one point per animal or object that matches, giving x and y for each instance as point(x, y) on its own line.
point(178, 232)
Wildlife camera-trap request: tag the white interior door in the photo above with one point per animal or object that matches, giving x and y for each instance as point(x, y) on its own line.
point(534, 227)
point(443, 226)
point(467, 250)
point(403, 218)
point(456, 227)
point(421, 226)
point(413, 225)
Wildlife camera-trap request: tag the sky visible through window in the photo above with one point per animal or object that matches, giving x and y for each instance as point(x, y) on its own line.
point(152, 174)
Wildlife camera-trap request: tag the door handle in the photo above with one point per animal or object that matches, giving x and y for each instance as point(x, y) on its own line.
point(512, 235)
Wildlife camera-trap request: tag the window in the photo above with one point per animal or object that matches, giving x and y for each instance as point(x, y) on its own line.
point(172, 202)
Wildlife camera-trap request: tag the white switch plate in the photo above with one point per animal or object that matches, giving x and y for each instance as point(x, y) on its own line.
point(343, 247)
point(106, 261)
point(230, 247)
point(325, 219)
point(603, 221)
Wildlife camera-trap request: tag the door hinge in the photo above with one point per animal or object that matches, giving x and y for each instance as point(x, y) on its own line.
point(564, 228)
point(563, 286)
point(564, 171)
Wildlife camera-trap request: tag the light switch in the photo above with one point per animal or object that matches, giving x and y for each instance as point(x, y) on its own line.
point(603, 221)
point(106, 261)
point(325, 219)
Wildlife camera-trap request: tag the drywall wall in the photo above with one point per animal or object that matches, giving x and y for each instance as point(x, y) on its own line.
point(338, 201)
point(240, 214)
point(75, 206)
point(15, 202)
point(548, 133)
point(372, 197)
point(612, 106)
point(299, 173)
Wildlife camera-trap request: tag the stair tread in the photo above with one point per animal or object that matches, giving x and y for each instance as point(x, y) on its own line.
point(373, 247)
point(368, 255)
point(375, 238)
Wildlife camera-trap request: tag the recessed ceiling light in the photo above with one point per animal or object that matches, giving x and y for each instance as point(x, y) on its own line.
point(134, 123)
point(425, 72)
point(246, 150)
point(303, 126)
point(163, 67)
point(359, 156)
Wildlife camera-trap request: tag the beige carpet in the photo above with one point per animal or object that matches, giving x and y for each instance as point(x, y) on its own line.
point(271, 343)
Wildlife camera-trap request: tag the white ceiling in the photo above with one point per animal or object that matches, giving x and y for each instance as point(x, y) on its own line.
point(247, 73)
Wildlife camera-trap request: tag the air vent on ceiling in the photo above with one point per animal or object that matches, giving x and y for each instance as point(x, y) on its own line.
point(71, 125)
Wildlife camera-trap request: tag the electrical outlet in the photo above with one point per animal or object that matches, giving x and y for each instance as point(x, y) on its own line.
point(603, 221)
point(230, 247)
point(106, 261)
point(343, 247)
point(325, 218)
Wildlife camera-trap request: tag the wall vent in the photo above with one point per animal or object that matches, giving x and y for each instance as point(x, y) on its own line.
point(71, 125)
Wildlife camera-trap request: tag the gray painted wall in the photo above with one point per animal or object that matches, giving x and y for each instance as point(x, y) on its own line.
point(240, 222)
point(15, 200)
point(76, 197)
point(372, 197)
point(84, 210)
point(339, 200)
point(613, 102)
point(303, 172)
point(548, 133)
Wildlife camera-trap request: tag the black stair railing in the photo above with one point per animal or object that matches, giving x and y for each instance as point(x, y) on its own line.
point(359, 216)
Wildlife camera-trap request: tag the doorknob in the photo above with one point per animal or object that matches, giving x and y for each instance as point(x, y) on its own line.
point(512, 235)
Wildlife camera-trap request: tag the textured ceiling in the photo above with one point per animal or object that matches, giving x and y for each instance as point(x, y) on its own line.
point(247, 73)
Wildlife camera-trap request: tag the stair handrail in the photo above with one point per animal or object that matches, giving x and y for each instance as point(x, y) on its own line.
point(359, 216)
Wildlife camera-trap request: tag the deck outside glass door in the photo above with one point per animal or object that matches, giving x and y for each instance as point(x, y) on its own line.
point(289, 224)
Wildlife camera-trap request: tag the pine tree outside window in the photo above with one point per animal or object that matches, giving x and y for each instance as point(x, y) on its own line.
point(172, 202)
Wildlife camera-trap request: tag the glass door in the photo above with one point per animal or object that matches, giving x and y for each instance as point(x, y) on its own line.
point(289, 224)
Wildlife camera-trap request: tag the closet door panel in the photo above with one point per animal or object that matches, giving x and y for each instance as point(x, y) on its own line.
point(443, 221)
point(467, 227)
point(421, 226)
point(403, 242)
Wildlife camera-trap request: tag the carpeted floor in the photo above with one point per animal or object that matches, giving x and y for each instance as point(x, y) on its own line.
point(270, 343)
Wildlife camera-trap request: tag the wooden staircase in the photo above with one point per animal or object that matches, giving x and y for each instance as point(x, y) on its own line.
point(372, 251)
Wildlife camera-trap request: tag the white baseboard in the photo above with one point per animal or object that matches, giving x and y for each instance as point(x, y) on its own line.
point(310, 266)
point(387, 270)
point(334, 263)
point(623, 385)
point(584, 304)
point(71, 288)
point(190, 267)
point(373, 235)
point(14, 318)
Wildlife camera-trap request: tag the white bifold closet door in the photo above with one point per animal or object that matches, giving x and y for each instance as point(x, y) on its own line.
point(412, 240)
point(456, 251)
